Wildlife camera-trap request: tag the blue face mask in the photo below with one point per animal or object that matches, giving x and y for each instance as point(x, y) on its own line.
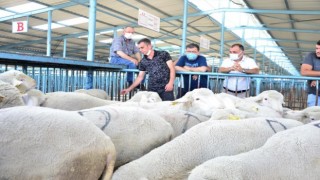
point(192, 56)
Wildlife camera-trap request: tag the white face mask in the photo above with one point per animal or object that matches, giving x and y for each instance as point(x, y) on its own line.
point(233, 57)
point(128, 35)
point(149, 52)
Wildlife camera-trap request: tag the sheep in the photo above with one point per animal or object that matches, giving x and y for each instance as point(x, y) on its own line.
point(245, 110)
point(199, 101)
point(133, 130)
point(180, 120)
point(305, 116)
point(9, 95)
point(200, 143)
point(291, 154)
point(270, 98)
point(145, 96)
point(34, 97)
point(18, 79)
point(44, 143)
point(99, 93)
point(73, 101)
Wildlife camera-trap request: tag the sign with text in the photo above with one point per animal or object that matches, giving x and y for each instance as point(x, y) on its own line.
point(204, 43)
point(148, 20)
point(19, 26)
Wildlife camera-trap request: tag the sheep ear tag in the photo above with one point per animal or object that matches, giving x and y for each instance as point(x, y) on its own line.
point(174, 103)
point(233, 117)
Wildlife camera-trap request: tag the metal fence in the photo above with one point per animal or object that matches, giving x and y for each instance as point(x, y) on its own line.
point(51, 78)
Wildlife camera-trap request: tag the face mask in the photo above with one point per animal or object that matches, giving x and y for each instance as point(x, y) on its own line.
point(234, 57)
point(149, 52)
point(192, 56)
point(128, 35)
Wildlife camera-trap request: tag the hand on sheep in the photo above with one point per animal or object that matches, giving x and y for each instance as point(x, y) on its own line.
point(124, 91)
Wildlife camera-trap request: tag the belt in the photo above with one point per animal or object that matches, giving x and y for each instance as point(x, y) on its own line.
point(242, 91)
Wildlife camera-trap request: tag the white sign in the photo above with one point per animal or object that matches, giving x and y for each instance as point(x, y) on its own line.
point(148, 20)
point(204, 43)
point(19, 26)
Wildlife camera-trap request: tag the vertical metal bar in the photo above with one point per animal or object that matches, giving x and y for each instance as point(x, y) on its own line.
point(91, 30)
point(222, 38)
point(184, 26)
point(64, 47)
point(49, 33)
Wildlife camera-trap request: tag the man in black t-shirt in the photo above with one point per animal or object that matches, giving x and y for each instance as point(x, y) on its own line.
point(160, 68)
point(311, 67)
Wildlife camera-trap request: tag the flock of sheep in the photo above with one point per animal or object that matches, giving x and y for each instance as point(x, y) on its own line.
point(84, 135)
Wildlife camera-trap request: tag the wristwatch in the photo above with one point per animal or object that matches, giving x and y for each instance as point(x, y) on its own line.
point(243, 70)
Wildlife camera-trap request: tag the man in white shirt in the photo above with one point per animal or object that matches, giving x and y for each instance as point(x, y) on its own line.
point(238, 63)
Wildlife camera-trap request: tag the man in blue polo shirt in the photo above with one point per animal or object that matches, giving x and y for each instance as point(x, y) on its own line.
point(192, 61)
point(125, 52)
point(311, 67)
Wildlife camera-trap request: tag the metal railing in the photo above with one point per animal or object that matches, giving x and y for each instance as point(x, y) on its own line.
point(59, 77)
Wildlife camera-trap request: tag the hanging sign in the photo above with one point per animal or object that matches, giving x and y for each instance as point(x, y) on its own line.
point(148, 20)
point(19, 26)
point(204, 43)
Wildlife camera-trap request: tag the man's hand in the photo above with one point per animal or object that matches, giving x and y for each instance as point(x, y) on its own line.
point(313, 84)
point(135, 61)
point(194, 77)
point(169, 87)
point(124, 91)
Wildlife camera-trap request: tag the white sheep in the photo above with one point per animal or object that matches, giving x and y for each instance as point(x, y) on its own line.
point(34, 97)
point(305, 116)
point(199, 101)
point(145, 96)
point(245, 110)
point(202, 142)
point(269, 98)
point(44, 143)
point(73, 101)
point(9, 95)
point(133, 130)
point(291, 154)
point(99, 93)
point(18, 79)
point(180, 120)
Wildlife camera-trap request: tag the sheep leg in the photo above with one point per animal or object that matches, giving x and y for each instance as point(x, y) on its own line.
point(108, 170)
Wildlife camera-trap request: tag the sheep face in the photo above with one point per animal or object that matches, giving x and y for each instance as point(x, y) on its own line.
point(200, 101)
point(272, 99)
point(18, 79)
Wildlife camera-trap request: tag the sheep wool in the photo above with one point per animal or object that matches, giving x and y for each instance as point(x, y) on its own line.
point(202, 142)
point(292, 154)
point(43, 143)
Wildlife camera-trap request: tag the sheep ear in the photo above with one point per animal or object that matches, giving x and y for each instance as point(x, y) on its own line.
point(257, 99)
point(1, 97)
point(16, 83)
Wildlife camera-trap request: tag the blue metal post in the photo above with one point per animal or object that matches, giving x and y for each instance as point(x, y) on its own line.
point(49, 33)
point(222, 39)
point(91, 30)
point(64, 47)
point(184, 28)
point(91, 41)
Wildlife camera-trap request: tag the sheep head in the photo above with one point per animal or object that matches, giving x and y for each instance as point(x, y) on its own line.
point(201, 101)
point(270, 98)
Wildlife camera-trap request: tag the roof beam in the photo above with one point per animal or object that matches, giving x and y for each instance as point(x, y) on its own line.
point(60, 6)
